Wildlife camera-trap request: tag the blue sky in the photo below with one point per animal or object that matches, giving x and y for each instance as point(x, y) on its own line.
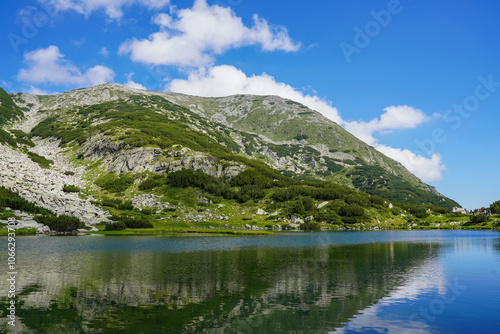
point(418, 80)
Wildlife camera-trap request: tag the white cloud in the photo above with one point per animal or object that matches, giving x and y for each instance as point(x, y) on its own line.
point(112, 8)
point(104, 52)
point(132, 84)
point(427, 169)
point(227, 80)
point(193, 36)
point(394, 118)
point(49, 66)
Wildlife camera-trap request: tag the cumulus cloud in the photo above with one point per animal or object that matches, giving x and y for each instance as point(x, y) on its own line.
point(427, 169)
point(227, 80)
point(191, 37)
point(112, 8)
point(394, 118)
point(132, 84)
point(50, 66)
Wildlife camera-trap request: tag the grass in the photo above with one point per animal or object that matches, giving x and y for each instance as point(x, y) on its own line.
point(25, 231)
point(182, 231)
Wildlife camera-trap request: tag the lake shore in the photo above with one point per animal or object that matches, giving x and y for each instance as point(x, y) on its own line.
point(244, 232)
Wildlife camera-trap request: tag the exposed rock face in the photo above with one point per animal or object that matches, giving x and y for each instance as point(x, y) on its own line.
point(44, 186)
point(118, 158)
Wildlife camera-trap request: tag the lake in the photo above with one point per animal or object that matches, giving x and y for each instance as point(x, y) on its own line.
point(328, 282)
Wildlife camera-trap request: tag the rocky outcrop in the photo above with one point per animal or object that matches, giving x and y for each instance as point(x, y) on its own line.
point(44, 187)
point(117, 157)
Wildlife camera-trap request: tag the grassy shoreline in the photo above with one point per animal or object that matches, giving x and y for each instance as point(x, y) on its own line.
point(231, 232)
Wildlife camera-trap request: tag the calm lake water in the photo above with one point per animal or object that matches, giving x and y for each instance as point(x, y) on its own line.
point(329, 282)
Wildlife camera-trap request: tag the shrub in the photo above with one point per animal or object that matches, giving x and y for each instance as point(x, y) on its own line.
point(12, 200)
point(131, 222)
point(300, 137)
point(352, 220)
point(118, 226)
point(117, 203)
point(148, 211)
point(252, 177)
point(396, 210)
point(70, 188)
point(419, 212)
point(495, 207)
point(113, 183)
point(59, 224)
point(149, 183)
point(189, 178)
point(326, 216)
point(41, 161)
point(250, 192)
point(351, 210)
point(312, 226)
point(69, 173)
point(476, 219)
point(126, 205)
point(299, 207)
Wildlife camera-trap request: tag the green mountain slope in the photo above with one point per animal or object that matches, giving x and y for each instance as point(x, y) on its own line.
point(8, 109)
point(286, 135)
point(138, 159)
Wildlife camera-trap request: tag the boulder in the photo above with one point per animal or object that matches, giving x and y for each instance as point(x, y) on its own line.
point(43, 230)
point(322, 204)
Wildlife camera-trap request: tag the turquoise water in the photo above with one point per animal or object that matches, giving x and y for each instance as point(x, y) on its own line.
point(329, 282)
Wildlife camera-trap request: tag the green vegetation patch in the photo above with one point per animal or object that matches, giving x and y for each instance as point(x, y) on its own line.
point(130, 222)
point(70, 188)
point(6, 138)
point(8, 108)
point(41, 161)
point(114, 183)
point(377, 181)
point(12, 200)
point(60, 223)
point(117, 203)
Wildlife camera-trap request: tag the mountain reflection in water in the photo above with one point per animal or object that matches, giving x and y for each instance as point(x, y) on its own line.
point(66, 285)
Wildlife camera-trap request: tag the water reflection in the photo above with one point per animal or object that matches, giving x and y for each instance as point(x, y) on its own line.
point(244, 285)
point(260, 289)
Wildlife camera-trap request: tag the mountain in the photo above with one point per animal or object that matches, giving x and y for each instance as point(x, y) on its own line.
point(111, 146)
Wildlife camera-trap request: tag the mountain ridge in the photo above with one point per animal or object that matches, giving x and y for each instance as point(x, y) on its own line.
point(116, 157)
point(345, 147)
